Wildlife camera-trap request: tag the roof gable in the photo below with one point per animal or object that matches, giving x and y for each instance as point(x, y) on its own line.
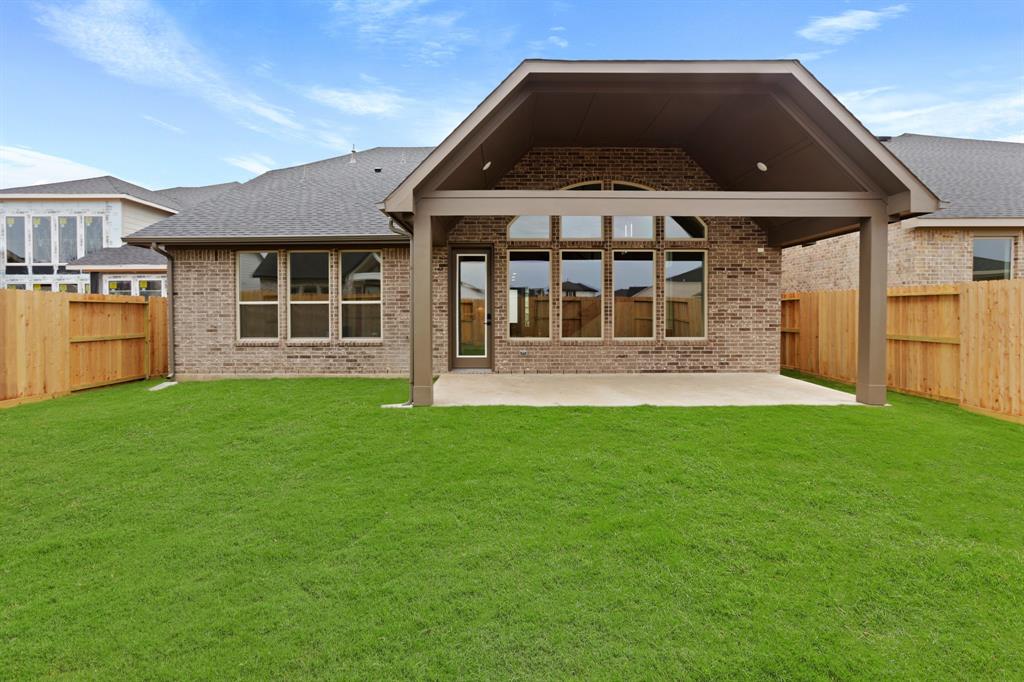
point(103, 186)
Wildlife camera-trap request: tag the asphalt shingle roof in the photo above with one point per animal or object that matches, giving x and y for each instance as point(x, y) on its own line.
point(104, 185)
point(121, 255)
point(187, 197)
point(333, 198)
point(973, 178)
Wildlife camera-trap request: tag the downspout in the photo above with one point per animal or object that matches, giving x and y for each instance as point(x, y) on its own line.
point(398, 229)
point(170, 307)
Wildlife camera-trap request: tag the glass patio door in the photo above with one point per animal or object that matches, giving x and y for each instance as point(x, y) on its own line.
point(471, 310)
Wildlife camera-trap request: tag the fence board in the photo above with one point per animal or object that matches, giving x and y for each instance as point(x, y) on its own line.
point(53, 343)
point(959, 343)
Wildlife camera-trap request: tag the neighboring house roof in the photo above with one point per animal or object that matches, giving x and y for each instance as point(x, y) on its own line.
point(973, 178)
point(187, 197)
point(577, 287)
point(333, 199)
point(105, 186)
point(119, 258)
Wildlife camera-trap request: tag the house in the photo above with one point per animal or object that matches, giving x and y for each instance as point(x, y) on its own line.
point(586, 217)
point(977, 234)
point(66, 236)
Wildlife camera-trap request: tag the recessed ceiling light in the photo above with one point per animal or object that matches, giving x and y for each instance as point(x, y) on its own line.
point(762, 166)
point(487, 165)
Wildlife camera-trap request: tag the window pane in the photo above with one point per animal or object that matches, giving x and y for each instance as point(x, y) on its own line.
point(530, 227)
point(68, 288)
point(582, 283)
point(151, 287)
point(633, 282)
point(628, 186)
point(581, 227)
point(633, 227)
point(684, 294)
point(310, 321)
point(93, 233)
point(360, 276)
point(257, 276)
point(15, 239)
point(684, 227)
point(360, 321)
point(472, 313)
point(992, 258)
point(529, 294)
point(586, 187)
point(309, 276)
point(257, 321)
point(119, 287)
point(67, 246)
point(42, 239)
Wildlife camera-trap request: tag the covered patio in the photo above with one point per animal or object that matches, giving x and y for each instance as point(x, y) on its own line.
point(626, 390)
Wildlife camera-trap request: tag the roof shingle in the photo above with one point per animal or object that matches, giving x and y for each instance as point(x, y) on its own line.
point(104, 185)
point(119, 256)
point(187, 197)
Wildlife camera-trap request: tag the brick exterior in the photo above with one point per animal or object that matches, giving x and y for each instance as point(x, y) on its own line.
point(743, 292)
point(921, 255)
point(743, 285)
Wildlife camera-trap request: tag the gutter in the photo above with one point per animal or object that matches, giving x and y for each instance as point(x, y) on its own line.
point(156, 248)
point(269, 239)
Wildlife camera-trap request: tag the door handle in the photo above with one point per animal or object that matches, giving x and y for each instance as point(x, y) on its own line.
point(487, 320)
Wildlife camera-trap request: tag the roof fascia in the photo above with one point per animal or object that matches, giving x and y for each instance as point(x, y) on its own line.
point(86, 197)
point(145, 240)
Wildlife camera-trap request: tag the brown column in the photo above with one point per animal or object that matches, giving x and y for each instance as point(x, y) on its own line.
point(871, 319)
point(421, 370)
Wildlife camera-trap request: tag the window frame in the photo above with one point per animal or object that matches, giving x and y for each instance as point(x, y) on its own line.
point(239, 302)
point(290, 302)
point(704, 289)
point(561, 297)
point(342, 302)
point(1013, 254)
point(508, 272)
point(654, 295)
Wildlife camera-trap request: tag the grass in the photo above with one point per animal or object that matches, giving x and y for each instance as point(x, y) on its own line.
point(293, 529)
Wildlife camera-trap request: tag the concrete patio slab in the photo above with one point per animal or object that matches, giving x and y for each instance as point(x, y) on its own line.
point(620, 390)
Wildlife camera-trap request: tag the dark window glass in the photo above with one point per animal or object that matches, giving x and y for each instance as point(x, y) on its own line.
point(684, 227)
point(310, 321)
point(628, 186)
point(582, 284)
point(633, 283)
point(530, 227)
point(15, 234)
point(993, 258)
point(67, 235)
point(360, 276)
point(68, 288)
point(684, 294)
point(360, 321)
point(119, 287)
point(20, 287)
point(586, 187)
point(309, 276)
point(42, 239)
point(529, 294)
point(257, 276)
point(93, 227)
point(151, 287)
point(257, 321)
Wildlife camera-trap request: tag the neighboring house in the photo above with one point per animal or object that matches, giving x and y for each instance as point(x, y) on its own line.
point(484, 254)
point(978, 234)
point(67, 236)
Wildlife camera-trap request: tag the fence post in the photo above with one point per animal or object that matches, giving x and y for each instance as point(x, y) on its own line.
point(147, 329)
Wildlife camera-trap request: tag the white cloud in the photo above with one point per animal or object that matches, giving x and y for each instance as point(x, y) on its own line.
point(841, 28)
point(1019, 137)
point(20, 166)
point(810, 56)
point(539, 46)
point(163, 124)
point(995, 114)
point(138, 41)
point(362, 103)
point(257, 164)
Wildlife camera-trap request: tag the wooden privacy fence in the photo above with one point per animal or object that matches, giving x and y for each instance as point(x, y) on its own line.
point(53, 343)
point(962, 343)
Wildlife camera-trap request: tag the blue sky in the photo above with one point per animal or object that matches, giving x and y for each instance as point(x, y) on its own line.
point(196, 91)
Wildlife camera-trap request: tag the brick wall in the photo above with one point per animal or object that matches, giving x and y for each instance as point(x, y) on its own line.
point(743, 285)
point(916, 256)
point(206, 333)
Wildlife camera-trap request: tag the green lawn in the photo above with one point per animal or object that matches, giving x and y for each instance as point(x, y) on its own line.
point(292, 528)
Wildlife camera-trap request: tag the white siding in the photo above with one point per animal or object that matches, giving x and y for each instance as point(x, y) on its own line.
point(137, 216)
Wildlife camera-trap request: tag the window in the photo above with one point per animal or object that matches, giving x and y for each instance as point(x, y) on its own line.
point(151, 287)
point(633, 283)
point(361, 295)
point(582, 284)
point(530, 227)
point(257, 295)
point(582, 226)
point(309, 308)
point(119, 287)
point(42, 239)
point(15, 233)
point(993, 258)
point(93, 228)
point(633, 227)
point(66, 288)
point(619, 186)
point(685, 227)
point(67, 239)
point(529, 294)
point(684, 293)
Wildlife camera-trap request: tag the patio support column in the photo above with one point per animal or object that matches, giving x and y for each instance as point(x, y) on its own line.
point(421, 369)
point(871, 318)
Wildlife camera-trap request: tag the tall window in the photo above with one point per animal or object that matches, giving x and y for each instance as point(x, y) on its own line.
point(582, 226)
point(684, 293)
point(993, 258)
point(529, 294)
point(633, 283)
point(632, 226)
point(361, 295)
point(67, 239)
point(309, 283)
point(93, 227)
point(536, 227)
point(257, 295)
point(15, 233)
point(582, 286)
point(685, 227)
point(42, 239)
